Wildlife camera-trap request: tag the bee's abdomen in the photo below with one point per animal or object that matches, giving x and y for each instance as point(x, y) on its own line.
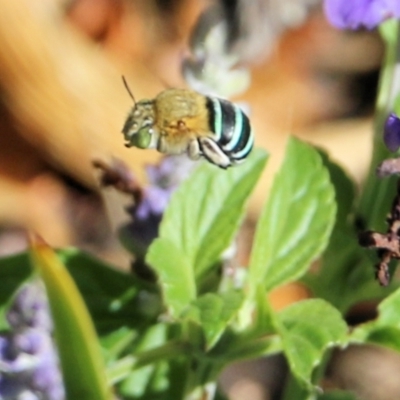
point(231, 127)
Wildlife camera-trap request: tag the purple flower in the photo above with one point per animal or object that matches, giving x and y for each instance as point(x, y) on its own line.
point(170, 172)
point(163, 179)
point(28, 360)
point(155, 200)
point(391, 132)
point(354, 14)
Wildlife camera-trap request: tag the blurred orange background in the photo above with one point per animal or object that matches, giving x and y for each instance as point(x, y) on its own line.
point(63, 103)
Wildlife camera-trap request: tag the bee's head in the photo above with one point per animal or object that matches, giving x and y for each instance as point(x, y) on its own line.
point(138, 127)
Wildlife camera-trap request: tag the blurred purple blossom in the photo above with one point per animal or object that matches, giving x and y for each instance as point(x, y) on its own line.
point(163, 179)
point(28, 360)
point(155, 200)
point(354, 14)
point(170, 172)
point(391, 132)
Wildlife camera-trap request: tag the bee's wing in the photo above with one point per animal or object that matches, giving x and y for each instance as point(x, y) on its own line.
point(213, 153)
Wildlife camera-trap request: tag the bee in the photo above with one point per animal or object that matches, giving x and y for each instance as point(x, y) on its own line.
point(182, 120)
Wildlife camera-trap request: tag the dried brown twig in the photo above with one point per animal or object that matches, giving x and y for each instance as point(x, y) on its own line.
point(118, 175)
point(389, 167)
point(388, 245)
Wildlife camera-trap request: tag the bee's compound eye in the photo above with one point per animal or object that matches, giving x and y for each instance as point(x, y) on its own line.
point(142, 139)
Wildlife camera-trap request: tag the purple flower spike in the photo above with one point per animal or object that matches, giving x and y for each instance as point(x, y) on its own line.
point(155, 201)
point(28, 359)
point(354, 14)
point(147, 213)
point(164, 179)
point(391, 132)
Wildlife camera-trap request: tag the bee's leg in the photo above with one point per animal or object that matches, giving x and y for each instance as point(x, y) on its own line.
point(213, 153)
point(162, 145)
point(193, 150)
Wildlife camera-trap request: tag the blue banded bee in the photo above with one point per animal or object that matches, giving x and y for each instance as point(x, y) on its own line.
point(181, 120)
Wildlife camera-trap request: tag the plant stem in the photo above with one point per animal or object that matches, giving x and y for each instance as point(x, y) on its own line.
point(377, 194)
point(169, 350)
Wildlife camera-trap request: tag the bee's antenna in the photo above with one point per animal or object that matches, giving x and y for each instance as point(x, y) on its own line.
point(128, 89)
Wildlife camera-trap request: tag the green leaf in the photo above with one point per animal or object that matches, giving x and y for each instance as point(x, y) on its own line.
point(149, 382)
point(264, 318)
point(205, 212)
point(160, 369)
point(307, 329)
point(14, 270)
point(78, 346)
point(213, 312)
point(116, 342)
point(175, 273)
point(297, 220)
point(139, 380)
point(345, 188)
point(345, 272)
point(337, 395)
point(114, 298)
point(385, 330)
point(120, 369)
point(233, 348)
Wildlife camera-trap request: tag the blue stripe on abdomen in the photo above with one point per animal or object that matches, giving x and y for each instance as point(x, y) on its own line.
point(231, 128)
point(237, 130)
